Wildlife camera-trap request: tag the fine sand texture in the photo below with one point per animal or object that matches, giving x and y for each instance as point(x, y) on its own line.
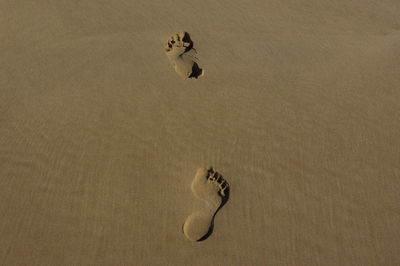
point(101, 137)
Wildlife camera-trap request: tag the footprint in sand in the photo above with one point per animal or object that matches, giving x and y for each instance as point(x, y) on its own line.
point(209, 186)
point(182, 55)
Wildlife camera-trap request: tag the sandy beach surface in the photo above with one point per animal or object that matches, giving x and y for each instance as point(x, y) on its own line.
point(100, 139)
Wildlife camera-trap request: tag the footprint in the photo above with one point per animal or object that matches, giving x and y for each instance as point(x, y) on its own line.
point(183, 56)
point(209, 186)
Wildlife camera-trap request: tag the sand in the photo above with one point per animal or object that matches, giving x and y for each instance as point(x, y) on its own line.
point(100, 139)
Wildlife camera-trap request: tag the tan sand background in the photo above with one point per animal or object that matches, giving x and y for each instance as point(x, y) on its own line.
point(299, 109)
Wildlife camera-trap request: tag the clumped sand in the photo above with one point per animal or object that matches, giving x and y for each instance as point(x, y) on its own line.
point(100, 139)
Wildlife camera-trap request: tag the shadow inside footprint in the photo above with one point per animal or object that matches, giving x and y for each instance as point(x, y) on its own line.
point(186, 39)
point(211, 228)
point(196, 71)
